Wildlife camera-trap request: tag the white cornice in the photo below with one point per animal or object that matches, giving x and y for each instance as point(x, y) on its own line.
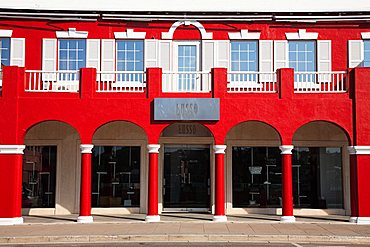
point(153, 148)
point(245, 34)
point(12, 149)
point(6, 33)
point(219, 149)
point(301, 35)
point(365, 35)
point(202, 30)
point(129, 34)
point(286, 149)
point(86, 148)
point(358, 149)
point(72, 34)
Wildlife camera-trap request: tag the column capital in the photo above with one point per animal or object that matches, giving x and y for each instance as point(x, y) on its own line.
point(219, 149)
point(153, 148)
point(86, 148)
point(12, 149)
point(358, 149)
point(286, 149)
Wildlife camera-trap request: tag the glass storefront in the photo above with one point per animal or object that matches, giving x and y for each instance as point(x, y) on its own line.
point(256, 177)
point(115, 176)
point(317, 177)
point(38, 177)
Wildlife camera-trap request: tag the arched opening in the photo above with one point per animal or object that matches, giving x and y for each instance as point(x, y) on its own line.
point(51, 168)
point(253, 167)
point(320, 167)
point(185, 168)
point(118, 168)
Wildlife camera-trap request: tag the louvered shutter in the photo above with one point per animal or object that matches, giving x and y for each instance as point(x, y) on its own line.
point(151, 53)
point(108, 59)
point(17, 52)
point(355, 53)
point(49, 59)
point(265, 60)
point(281, 59)
point(324, 60)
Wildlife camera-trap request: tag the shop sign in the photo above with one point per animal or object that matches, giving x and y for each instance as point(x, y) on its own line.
point(187, 109)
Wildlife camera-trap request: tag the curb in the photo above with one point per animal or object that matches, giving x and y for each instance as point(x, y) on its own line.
point(183, 238)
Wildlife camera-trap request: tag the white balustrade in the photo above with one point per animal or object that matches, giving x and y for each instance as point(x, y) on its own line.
point(186, 82)
point(320, 82)
point(52, 81)
point(251, 82)
point(121, 81)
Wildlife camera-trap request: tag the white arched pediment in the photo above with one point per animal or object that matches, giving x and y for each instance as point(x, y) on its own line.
point(202, 30)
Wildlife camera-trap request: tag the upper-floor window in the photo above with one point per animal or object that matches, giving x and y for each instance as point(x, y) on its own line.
point(366, 62)
point(302, 56)
point(130, 58)
point(244, 56)
point(72, 54)
point(5, 51)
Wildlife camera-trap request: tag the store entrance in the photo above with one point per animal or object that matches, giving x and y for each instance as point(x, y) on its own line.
point(186, 183)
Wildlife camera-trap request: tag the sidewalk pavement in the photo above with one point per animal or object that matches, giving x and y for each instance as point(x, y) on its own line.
point(184, 228)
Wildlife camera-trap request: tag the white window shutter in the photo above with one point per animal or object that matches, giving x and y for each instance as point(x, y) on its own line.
point(208, 62)
point(49, 59)
point(222, 53)
point(93, 53)
point(281, 58)
point(151, 53)
point(324, 60)
point(165, 55)
point(108, 59)
point(17, 52)
point(355, 53)
point(265, 60)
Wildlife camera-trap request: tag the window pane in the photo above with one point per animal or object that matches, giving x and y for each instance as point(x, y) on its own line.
point(38, 177)
point(130, 55)
point(5, 51)
point(244, 56)
point(302, 55)
point(115, 176)
point(72, 54)
point(366, 53)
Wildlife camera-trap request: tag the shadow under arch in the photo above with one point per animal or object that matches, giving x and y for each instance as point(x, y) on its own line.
point(120, 130)
point(321, 130)
point(254, 130)
point(189, 129)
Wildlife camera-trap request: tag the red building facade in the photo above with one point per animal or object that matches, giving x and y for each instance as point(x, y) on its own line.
point(131, 113)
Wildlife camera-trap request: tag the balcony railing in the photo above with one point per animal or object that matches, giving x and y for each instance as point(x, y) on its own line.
point(52, 81)
point(186, 82)
point(251, 82)
point(320, 82)
point(121, 81)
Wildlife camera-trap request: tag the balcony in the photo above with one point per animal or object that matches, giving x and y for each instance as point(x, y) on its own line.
point(199, 84)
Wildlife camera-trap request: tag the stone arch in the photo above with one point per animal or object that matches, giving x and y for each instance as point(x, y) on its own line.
point(198, 25)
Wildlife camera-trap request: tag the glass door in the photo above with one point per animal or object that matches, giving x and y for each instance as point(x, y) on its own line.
point(186, 184)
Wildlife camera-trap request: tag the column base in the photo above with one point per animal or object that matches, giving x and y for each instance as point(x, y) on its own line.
point(152, 218)
point(360, 220)
point(287, 219)
point(11, 221)
point(219, 218)
point(85, 219)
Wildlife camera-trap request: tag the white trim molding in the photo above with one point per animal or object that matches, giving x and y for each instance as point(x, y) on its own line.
point(302, 35)
point(12, 149)
point(245, 34)
point(219, 218)
point(11, 221)
point(286, 149)
point(129, 34)
point(153, 148)
point(219, 149)
point(358, 149)
point(72, 34)
point(365, 35)
point(6, 33)
point(360, 220)
point(86, 148)
point(85, 219)
point(287, 219)
point(152, 218)
point(204, 34)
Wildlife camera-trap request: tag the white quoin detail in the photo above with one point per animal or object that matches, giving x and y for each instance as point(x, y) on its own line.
point(86, 148)
point(6, 33)
point(365, 35)
point(153, 148)
point(301, 35)
point(286, 149)
point(219, 149)
point(202, 30)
